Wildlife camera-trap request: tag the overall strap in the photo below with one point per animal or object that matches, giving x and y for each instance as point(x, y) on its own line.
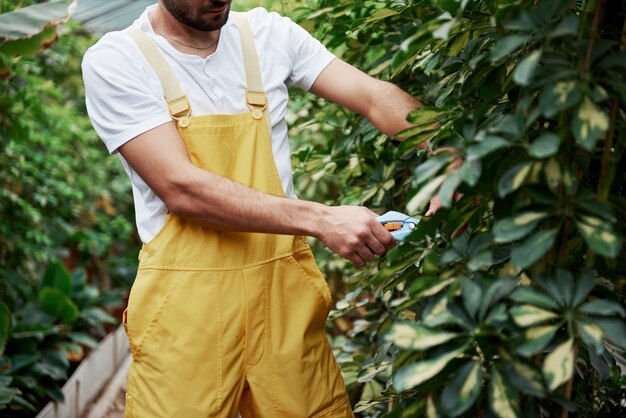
point(256, 99)
point(177, 101)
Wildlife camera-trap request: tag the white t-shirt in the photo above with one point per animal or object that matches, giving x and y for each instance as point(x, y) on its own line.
point(125, 97)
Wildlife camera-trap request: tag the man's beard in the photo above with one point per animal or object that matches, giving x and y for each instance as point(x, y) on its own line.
point(193, 18)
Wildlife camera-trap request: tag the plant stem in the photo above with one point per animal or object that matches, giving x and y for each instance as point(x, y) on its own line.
point(608, 161)
point(593, 34)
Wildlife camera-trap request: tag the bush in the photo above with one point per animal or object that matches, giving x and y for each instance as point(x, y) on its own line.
point(510, 301)
point(64, 204)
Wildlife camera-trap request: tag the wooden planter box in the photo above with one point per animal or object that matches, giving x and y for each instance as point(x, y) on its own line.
point(90, 377)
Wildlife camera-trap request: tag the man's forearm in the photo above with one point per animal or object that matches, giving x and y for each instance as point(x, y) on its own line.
point(389, 108)
point(220, 203)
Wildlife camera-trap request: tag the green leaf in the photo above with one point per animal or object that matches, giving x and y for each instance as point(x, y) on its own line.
point(485, 147)
point(411, 336)
point(22, 361)
point(552, 288)
point(585, 285)
point(527, 315)
point(567, 27)
point(57, 277)
point(438, 313)
point(558, 366)
point(560, 96)
point(463, 390)
point(589, 124)
point(599, 236)
point(533, 248)
point(417, 373)
point(517, 226)
point(380, 15)
point(525, 294)
point(470, 172)
point(592, 334)
point(507, 45)
point(460, 41)
point(7, 394)
point(499, 289)
point(433, 289)
point(449, 186)
point(565, 284)
point(513, 178)
point(431, 167)
point(96, 315)
point(424, 116)
point(614, 329)
point(419, 201)
point(616, 59)
point(481, 261)
point(603, 307)
point(525, 70)
point(502, 404)
point(525, 378)
point(5, 325)
point(546, 145)
point(83, 339)
point(471, 294)
point(601, 363)
point(536, 339)
point(371, 390)
point(497, 315)
point(54, 302)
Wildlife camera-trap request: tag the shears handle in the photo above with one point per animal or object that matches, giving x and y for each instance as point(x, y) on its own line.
point(398, 224)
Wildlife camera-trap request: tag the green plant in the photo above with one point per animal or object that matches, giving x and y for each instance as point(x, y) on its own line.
point(63, 317)
point(61, 198)
point(509, 302)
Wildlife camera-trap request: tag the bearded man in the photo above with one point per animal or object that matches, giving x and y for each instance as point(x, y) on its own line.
point(228, 308)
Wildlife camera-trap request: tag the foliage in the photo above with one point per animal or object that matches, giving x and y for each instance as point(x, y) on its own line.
point(63, 196)
point(46, 336)
point(63, 203)
point(508, 302)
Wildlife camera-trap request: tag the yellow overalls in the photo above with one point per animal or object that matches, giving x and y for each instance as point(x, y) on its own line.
point(223, 321)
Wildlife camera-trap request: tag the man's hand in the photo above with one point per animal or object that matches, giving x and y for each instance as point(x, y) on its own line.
point(435, 203)
point(354, 233)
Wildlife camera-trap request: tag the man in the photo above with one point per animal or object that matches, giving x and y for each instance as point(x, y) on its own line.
point(228, 308)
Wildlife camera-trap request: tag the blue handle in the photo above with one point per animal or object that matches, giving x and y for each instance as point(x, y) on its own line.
point(408, 224)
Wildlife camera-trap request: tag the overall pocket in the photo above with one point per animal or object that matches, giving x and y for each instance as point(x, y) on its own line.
point(305, 262)
point(148, 299)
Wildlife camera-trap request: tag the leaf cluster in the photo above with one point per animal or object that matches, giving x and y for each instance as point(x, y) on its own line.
point(509, 301)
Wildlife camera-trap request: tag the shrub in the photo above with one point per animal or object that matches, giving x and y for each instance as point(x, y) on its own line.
point(510, 301)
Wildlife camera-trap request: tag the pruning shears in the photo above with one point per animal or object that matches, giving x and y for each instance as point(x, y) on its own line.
point(399, 224)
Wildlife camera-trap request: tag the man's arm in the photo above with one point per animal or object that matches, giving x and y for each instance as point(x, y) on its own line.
point(220, 203)
point(384, 104)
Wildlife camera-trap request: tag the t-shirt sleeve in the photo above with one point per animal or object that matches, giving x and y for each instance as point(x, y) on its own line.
point(308, 56)
point(124, 99)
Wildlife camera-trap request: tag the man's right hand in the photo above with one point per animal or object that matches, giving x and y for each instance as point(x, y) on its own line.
point(354, 233)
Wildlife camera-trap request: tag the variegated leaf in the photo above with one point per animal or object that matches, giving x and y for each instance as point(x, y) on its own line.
point(558, 366)
point(412, 336)
point(417, 373)
point(502, 404)
point(527, 315)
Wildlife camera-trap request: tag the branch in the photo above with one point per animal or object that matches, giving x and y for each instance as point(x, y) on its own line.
point(595, 27)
